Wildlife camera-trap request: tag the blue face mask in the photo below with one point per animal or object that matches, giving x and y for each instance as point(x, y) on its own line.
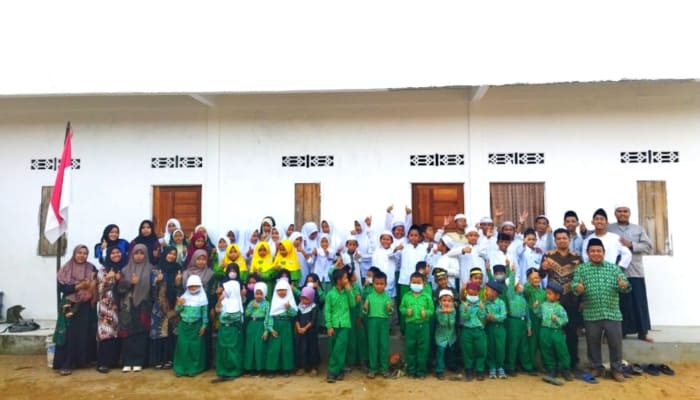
point(417, 287)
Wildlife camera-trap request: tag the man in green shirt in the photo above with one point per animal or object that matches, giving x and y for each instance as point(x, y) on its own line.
point(337, 312)
point(599, 283)
point(378, 308)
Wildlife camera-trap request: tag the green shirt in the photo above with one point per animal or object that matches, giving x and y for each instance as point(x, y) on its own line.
point(547, 309)
point(377, 305)
point(496, 307)
point(226, 318)
point(259, 313)
point(289, 313)
point(517, 305)
point(601, 290)
point(191, 314)
point(472, 315)
point(416, 303)
point(337, 308)
point(532, 295)
point(445, 332)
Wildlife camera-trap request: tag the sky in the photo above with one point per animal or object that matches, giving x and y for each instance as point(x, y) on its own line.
point(122, 47)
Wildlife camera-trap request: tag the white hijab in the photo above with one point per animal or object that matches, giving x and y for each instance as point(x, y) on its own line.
point(222, 253)
point(232, 302)
point(277, 306)
point(195, 299)
point(261, 286)
point(166, 235)
point(307, 230)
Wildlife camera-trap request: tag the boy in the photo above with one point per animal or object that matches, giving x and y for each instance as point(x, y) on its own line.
point(351, 256)
point(357, 339)
point(378, 308)
point(445, 333)
point(339, 301)
point(528, 257)
point(555, 354)
point(442, 283)
point(495, 332)
point(474, 342)
point(502, 255)
point(518, 329)
point(535, 296)
point(417, 308)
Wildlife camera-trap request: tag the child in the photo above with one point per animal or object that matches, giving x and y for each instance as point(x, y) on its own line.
point(229, 343)
point(502, 255)
point(251, 280)
point(339, 301)
point(286, 258)
point(445, 333)
point(323, 259)
point(378, 307)
point(279, 330)
point(473, 337)
point(250, 242)
point(190, 357)
point(179, 241)
point(417, 307)
point(165, 287)
point(518, 329)
point(442, 283)
point(234, 256)
point(218, 255)
point(261, 263)
point(535, 296)
point(495, 332)
point(528, 257)
point(351, 256)
point(256, 311)
point(306, 327)
point(384, 258)
point(449, 264)
point(412, 253)
point(476, 276)
point(555, 354)
point(357, 340)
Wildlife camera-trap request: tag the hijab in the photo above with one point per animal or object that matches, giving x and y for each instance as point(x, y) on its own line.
point(166, 234)
point(141, 291)
point(72, 273)
point(246, 243)
point(151, 241)
point(307, 230)
point(335, 242)
point(259, 264)
point(262, 286)
point(277, 306)
point(362, 238)
point(109, 265)
point(191, 247)
point(232, 302)
point(181, 247)
point(309, 293)
point(222, 253)
point(236, 234)
point(240, 261)
point(198, 299)
point(169, 270)
point(290, 262)
point(205, 274)
point(105, 235)
point(206, 235)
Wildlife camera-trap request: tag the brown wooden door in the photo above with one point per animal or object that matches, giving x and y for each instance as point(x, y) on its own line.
point(516, 197)
point(307, 203)
point(181, 202)
point(432, 202)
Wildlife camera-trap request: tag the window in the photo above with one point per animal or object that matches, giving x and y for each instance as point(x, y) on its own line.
point(653, 214)
point(516, 197)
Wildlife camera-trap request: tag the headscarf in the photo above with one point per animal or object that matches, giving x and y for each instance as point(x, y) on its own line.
point(72, 273)
point(205, 274)
point(151, 241)
point(269, 220)
point(105, 235)
point(236, 234)
point(258, 264)
point(198, 299)
point(181, 247)
point(306, 230)
point(290, 262)
point(277, 306)
point(246, 242)
point(309, 293)
point(169, 270)
point(112, 266)
point(222, 253)
point(262, 286)
point(206, 235)
point(140, 291)
point(335, 241)
point(240, 261)
point(229, 268)
point(232, 302)
point(166, 234)
point(191, 249)
point(362, 238)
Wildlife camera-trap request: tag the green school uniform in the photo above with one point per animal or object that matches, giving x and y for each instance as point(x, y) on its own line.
point(532, 295)
point(378, 316)
point(496, 333)
point(229, 345)
point(474, 342)
point(445, 336)
point(190, 353)
point(255, 328)
point(517, 326)
point(357, 338)
point(280, 349)
point(555, 354)
point(417, 340)
point(337, 314)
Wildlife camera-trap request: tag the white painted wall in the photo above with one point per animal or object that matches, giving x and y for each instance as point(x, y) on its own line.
point(580, 128)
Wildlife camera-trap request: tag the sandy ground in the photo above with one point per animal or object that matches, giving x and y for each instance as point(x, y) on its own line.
point(27, 377)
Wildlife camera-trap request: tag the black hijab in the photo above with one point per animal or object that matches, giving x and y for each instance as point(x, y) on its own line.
point(109, 264)
point(169, 270)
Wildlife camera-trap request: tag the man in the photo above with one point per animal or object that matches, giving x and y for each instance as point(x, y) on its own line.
point(613, 248)
point(558, 265)
point(635, 310)
point(599, 282)
point(458, 236)
point(571, 223)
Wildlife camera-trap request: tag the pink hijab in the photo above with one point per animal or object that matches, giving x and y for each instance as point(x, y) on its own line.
point(72, 273)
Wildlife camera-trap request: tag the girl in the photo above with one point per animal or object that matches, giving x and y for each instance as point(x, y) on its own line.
point(251, 281)
point(229, 344)
point(304, 258)
point(147, 236)
point(110, 238)
point(135, 308)
point(256, 311)
point(190, 354)
point(108, 310)
point(309, 233)
point(366, 243)
point(198, 242)
point(323, 259)
point(234, 236)
point(274, 240)
point(261, 263)
point(179, 241)
point(305, 324)
point(168, 280)
point(249, 243)
point(287, 259)
point(203, 230)
point(218, 255)
point(266, 226)
point(234, 256)
point(76, 282)
point(198, 266)
point(171, 226)
point(279, 334)
point(334, 239)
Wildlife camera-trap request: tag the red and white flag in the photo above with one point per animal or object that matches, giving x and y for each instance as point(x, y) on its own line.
point(57, 216)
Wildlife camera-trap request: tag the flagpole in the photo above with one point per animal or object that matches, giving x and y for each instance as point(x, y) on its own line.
point(59, 241)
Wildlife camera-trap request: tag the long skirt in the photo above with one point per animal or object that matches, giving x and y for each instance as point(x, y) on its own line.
point(190, 353)
point(229, 351)
point(74, 353)
point(280, 349)
point(108, 353)
point(307, 351)
point(635, 309)
point(135, 349)
point(254, 346)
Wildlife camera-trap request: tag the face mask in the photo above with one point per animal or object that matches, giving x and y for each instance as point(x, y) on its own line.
point(472, 299)
point(500, 278)
point(417, 287)
point(310, 284)
point(232, 275)
point(369, 280)
point(194, 291)
point(251, 287)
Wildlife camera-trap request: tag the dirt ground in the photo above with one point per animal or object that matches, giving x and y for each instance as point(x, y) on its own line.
point(27, 377)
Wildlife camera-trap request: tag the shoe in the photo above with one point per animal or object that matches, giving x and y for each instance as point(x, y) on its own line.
point(588, 378)
point(65, 372)
point(330, 378)
point(566, 374)
point(480, 376)
point(492, 373)
point(158, 366)
point(168, 365)
point(532, 372)
point(549, 378)
point(618, 377)
point(313, 372)
point(469, 376)
point(502, 374)
point(126, 369)
point(386, 375)
point(512, 373)
point(665, 369)
point(220, 379)
point(637, 369)
point(102, 370)
point(597, 372)
point(651, 370)
point(341, 376)
point(286, 375)
point(300, 372)
point(137, 368)
point(371, 375)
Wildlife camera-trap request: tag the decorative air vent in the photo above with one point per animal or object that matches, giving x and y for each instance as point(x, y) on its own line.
point(516, 158)
point(649, 157)
point(177, 162)
point(51, 163)
point(307, 161)
point(436, 160)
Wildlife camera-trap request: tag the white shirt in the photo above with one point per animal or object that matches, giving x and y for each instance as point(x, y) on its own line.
point(613, 249)
point(410, 256)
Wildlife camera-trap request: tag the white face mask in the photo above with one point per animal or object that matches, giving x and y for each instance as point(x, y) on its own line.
point(194, 291)
point(472, 299)
point(232, 275)
point(310, 284)
point(417, 287)
point(369, 280)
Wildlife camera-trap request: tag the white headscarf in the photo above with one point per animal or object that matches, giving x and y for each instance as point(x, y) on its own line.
point(277, 306)
point(261, 286)
point(306, 231)
point(232, 302)
point(197, 299)
point(166, 234)
point(222, 253)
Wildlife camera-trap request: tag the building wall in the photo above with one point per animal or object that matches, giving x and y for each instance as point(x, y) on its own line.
point(580, 128)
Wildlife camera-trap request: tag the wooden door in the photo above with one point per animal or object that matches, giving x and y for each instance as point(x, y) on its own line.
point(181, 202)
point(432, 202)
point(307, 203)
point(653, 214)
point(516, 197)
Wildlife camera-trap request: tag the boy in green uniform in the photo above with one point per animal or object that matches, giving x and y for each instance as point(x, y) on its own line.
point(495, 331)
point(417, 308)
point(229, 342)
point(339, 301)
point(555, 354)
point(279, 330)
point(445, 331)
point(535, 296)
point(474, 342)
point(378, 308)
point(518, 329)
point(357, 338)
point(255, 314)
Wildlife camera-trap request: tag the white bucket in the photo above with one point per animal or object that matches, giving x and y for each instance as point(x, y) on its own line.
point(50, 351)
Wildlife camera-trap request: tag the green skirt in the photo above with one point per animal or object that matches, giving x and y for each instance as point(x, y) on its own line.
point(280, 349)
point(190, 354)
point(254, 346)
point(229, 351)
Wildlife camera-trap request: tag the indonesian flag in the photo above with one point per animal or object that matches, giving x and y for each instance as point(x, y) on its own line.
point(57, 216)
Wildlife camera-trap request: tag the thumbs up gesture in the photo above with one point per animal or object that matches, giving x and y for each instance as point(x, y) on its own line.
point(580, 288)
point(422, 313)
point(134, 279)
point(481, 304)
point(159, 276)
point(621, 283)
point(536, 304)
point(180, 301)
point(554, 318)
point(286, 306)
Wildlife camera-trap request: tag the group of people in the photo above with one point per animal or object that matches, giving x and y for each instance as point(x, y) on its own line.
point(482, 300)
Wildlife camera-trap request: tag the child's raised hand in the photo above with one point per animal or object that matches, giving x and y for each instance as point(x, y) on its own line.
point(467, 249)
point(201, 331)
point(523, 217)
point(408, 210)
point(390, 208)
point(554, 318)
point(255, 304)
point(519, 287)
point(103, 245)
point(368, 221)
point(399, 247)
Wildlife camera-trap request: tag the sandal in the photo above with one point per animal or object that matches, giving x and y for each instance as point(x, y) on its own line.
point(552, 380)
point(665, 369)
point(588, 378)
point(637, 369)
point(651, 370)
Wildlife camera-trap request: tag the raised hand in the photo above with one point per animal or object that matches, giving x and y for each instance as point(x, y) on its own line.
point(523, 217)
point(390, 208)
point(621, 283)
point(408, 210)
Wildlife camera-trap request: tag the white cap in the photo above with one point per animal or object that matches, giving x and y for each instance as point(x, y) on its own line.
point(460, 216)
point(448, 241)
point(507, 223)
point(446, 292)
point(486, 220)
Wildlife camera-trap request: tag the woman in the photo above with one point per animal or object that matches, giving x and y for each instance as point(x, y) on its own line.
point(147, 236)
point(77, 285)
point(110, 238)
point(171, 226)
point(198, 242)
point(163, 315)
point(266, 227)
point(135, 308)
point(108, 310)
